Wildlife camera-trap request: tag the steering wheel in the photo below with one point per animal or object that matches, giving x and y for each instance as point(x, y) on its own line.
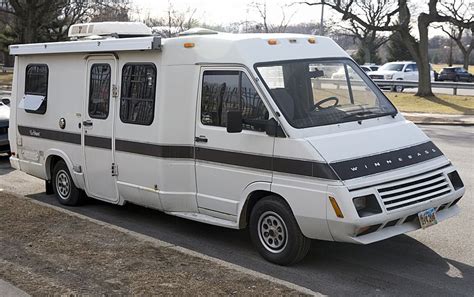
point(332, 98)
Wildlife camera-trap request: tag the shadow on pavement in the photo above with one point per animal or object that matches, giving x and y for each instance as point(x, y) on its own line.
point(398, 266)
point(5, 167)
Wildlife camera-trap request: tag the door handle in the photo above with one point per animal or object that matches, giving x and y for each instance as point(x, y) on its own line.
point(200, 139)
point(87, 123)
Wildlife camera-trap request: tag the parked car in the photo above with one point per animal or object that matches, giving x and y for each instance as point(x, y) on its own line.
point(372, 67)
point(367, 68)
point(455, 74)
point(4, 118)
point(404, 70)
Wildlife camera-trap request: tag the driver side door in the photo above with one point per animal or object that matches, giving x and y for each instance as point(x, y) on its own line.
point(226, 163)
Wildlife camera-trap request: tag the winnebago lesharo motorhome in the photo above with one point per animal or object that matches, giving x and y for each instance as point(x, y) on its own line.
point(235, 130)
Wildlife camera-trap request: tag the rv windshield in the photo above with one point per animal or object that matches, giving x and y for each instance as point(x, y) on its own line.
point(323, 92)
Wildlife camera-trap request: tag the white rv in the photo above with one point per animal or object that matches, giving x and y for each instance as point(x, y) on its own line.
point(236, 130)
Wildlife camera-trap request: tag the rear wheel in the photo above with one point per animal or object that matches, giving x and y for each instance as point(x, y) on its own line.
point(398, 89)
point(63, 186)
point(275, 232)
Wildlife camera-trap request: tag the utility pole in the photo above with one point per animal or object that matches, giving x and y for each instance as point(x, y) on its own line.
point(321, 26)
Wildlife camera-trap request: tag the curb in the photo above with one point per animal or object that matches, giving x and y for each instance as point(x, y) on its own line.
point(9, 290)
point(439, 119)
point(163, 244)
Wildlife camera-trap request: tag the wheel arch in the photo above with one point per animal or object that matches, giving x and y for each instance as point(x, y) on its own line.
point(52, 157)
point(254, 193)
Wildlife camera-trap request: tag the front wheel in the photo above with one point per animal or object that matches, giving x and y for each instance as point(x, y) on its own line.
point(63, 186)
point(275, 232)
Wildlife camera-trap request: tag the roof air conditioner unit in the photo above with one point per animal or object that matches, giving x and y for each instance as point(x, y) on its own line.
point(113, 29)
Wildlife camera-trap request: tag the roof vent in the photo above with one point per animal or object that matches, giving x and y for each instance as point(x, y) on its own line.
point(198, 31)
point(112, 29)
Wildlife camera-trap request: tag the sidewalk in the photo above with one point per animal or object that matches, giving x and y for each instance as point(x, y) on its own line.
point(48, 251)
point(439, 119)
point(9, 290)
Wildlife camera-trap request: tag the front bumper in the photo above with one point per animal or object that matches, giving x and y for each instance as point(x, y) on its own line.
point(398, 220)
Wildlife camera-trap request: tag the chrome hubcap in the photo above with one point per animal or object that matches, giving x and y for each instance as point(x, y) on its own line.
point(272, 232)
point(63, 184)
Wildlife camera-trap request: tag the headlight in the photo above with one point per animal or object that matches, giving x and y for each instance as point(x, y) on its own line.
point(388, 76)
point(367, 205)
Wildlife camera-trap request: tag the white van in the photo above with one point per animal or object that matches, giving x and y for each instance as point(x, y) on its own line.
point(235, 130)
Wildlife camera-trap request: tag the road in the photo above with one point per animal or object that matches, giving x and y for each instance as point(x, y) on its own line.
point(438, 261)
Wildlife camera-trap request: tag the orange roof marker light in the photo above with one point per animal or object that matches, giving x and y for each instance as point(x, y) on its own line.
point(312, 40)
point(189, 45)
point(272, 41)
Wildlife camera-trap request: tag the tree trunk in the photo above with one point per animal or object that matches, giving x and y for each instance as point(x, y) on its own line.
point(424, 71)
point(467, 56)
point(367, 57)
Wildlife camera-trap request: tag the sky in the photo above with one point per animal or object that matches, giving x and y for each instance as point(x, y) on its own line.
point(219, 12)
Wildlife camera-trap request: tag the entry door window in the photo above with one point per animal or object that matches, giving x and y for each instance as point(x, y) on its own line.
point(224, 91)
point(99, 93)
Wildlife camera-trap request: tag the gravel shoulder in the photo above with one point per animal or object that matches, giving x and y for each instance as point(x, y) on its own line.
point(46, 252)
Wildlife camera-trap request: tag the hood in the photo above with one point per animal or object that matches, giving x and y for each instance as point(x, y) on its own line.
point(376, 149)
point(4, 112)
point(382, 72)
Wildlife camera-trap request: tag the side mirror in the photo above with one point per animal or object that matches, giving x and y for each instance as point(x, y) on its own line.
point(6, 101)
point(234, 121)
point(273, 129)
point(408, 70)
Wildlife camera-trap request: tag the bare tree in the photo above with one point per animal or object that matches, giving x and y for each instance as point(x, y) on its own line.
point(398, 18)
point(110, 11)
point(286, 16)
point(461, 10)
point(175, 21)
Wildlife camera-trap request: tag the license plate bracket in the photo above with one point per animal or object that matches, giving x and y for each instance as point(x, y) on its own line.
point(427, 218)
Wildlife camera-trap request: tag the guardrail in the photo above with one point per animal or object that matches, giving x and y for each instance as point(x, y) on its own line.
point(5, 69)
point(435, 84)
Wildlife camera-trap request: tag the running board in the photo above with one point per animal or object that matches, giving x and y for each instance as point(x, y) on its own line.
point(204, 219)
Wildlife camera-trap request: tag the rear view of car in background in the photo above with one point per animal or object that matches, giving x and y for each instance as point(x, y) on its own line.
point(4, 118)
point(455, 74)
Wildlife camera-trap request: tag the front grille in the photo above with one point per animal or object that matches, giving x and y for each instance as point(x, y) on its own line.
point(408, 192)
point(374, 76)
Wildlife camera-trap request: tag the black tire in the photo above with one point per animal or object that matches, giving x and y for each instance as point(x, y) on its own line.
point(63, 186)
point(284, 243)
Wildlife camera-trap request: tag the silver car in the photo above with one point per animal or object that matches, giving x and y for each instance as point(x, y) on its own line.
point(4, 118)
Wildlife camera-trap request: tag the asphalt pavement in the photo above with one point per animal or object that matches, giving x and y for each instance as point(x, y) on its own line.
point(434, 262)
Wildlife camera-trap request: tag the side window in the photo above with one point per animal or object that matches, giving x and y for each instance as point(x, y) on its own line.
point(99, 91)
point(137, 102)
point(412, 67)
point(36, 83)
point(224, 91)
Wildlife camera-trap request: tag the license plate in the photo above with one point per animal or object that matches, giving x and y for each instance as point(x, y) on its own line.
point(427, 218)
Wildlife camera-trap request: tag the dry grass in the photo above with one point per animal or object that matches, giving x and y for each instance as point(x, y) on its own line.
point(6, 78)
point(441, 103)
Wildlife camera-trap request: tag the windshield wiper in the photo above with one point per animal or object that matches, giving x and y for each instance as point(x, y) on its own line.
point(361, 114)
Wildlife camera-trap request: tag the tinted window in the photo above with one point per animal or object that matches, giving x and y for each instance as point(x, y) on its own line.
point(412, 67)
point(224, 91)
point(137, 103)
point(36, 83)
point(99, 92)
